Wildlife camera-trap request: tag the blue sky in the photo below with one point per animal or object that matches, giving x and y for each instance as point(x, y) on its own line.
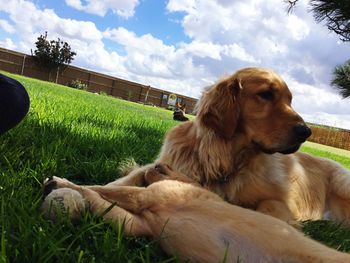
point(150, 16)
point(185, 45)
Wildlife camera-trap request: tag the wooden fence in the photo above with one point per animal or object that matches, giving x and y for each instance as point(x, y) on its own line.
point(23, 64)
point(330, 136)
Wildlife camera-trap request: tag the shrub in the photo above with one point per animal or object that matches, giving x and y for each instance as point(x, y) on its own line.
point(77, 84)
point(170, 107)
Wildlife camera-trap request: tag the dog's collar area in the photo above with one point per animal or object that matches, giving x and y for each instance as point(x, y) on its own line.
point(223, 179)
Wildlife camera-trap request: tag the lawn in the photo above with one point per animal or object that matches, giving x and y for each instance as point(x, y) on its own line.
point(84, 137)
point(339, 155)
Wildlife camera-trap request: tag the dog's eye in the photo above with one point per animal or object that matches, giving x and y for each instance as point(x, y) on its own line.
point(266, 95)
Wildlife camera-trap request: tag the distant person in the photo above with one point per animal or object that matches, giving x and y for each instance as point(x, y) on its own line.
point(14, 103)
point(179, 112)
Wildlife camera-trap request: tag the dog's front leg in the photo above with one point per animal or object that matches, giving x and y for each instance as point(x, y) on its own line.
point(134, 178)
point(134, 224)
point(279, 210)
point(131, 198)
point(118, 205)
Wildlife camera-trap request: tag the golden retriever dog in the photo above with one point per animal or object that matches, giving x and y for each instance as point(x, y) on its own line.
point(197, 225)
point(243, 146)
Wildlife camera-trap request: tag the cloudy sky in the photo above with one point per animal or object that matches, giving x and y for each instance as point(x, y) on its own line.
point(185, 45)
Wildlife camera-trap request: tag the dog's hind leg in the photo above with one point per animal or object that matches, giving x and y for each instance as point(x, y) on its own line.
point(278, 210)
point(338, 198)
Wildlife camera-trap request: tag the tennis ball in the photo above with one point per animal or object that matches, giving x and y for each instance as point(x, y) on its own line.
point(64, 202)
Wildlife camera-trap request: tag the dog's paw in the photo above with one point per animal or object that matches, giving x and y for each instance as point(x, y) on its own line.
point(162, 169)
point(154, 174)
point(54, 182)
point(48, 186)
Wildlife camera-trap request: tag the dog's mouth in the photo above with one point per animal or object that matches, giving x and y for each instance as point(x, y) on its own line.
point(290, 150)
point(284, 150)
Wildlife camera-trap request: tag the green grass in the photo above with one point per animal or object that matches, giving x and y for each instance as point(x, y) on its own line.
point(319, 151)
point(332, 234)
point(84, 137)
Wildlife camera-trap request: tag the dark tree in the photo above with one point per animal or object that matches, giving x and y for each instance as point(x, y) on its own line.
point(334, 13)
point(53, 54)
point(341, 79)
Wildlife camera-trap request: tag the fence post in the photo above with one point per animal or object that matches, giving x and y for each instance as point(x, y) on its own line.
point(89, 77)
point(336, 138)
point(146, 97)
point(57, 72)
point(141, 88)
point(24, 60)
point(161, 99)
point(113, 84)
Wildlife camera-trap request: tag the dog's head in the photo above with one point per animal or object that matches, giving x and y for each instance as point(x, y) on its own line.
point(257, 103)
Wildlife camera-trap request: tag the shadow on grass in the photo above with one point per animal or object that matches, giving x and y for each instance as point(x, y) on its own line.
point(35, 150)
point(77, 153)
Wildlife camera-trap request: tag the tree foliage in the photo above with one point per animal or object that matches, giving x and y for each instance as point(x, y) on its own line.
point(52, 53)
point(341, 79)
point(334, 13)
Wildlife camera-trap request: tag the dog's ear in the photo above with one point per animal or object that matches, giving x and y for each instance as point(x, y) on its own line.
point(218, 108)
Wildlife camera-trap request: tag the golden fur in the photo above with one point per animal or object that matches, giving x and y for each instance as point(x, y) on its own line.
point(197, 225)
point(237, 148)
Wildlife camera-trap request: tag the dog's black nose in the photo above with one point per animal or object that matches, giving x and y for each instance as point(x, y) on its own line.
point(302, 132)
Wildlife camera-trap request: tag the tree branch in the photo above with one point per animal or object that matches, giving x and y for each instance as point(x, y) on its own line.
point(291, 5)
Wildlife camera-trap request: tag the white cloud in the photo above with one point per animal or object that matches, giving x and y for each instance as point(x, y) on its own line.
point(297, 27)
point(181, 5)
point(7, 43)
point(340, 121)
point(75, 4)
point(4, 24)
point(149, 56)
point(37, 21)
point(319, 104)
point(93, 55)
point(203, 49)
point(123, 8)
point(83, 36)
point(238, 52)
